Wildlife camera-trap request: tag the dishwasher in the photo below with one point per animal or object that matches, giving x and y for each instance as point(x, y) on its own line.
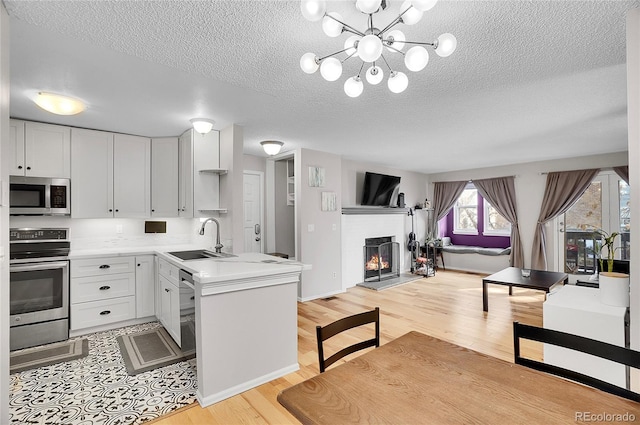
point(187, 313)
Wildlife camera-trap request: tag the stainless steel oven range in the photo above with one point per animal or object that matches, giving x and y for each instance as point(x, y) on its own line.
point(38, 286)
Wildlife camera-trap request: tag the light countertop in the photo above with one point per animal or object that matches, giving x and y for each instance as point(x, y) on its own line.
point(209, 270)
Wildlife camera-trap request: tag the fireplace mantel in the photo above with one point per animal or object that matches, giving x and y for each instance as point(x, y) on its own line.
point(360, 210)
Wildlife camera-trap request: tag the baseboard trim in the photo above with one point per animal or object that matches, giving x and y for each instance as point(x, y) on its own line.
point(325, 295)
point(237, 389)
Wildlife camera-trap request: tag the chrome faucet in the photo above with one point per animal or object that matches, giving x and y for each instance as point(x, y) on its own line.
point(218, 244)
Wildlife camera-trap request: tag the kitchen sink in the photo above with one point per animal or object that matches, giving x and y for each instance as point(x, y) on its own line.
point(199, 254)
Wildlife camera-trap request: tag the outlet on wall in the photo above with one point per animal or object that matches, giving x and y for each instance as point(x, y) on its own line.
point(119, 228)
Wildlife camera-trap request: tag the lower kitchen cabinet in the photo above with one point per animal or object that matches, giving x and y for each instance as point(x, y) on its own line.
point(110, 290)
point(145, 286)
point(170, 308)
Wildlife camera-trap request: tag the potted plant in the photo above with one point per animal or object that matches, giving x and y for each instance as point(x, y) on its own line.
point(614, 287)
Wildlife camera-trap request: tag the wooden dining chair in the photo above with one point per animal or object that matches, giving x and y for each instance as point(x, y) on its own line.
point(600, 349)
point(325, 332)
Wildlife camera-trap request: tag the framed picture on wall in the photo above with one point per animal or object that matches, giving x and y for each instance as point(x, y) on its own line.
point(329, 201)
point(316, 177)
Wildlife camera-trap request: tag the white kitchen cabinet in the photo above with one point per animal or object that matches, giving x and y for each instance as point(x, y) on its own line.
point(145, 286)
point(131, 176)
point(170, 309)
point(165, 177)
point(577, 310)
point(111, 175)
point(103, 291)
point(185, 179)
point(39, 150)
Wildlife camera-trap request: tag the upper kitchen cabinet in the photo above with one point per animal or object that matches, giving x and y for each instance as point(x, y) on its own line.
point(39, 150)
point(131, 176)
point(200, 174)
point(165, 177)
point(185, 177)
point(110, 175)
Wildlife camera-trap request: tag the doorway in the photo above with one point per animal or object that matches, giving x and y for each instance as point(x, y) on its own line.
point(253, 214)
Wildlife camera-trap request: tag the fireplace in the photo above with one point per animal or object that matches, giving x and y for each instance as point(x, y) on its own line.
point(381, 258)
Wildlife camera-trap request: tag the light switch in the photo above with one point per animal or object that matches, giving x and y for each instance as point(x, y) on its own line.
point(311, 228)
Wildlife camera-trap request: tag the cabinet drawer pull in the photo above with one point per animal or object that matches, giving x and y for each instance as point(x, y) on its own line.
point(104, 266)
point(166, 290)
point(105, 287)
point(105, 312)
point(192, 298)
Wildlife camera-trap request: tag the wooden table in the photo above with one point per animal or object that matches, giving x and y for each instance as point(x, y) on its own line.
point(418, 379)
point(512, 276)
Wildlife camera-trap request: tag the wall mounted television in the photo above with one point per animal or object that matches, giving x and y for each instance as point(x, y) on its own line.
point(379, 189)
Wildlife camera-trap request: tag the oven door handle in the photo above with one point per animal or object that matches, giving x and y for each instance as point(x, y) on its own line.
point(39, 266)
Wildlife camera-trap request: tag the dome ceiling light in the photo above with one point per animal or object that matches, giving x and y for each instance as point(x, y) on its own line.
point(371, 44)
point(202, 125)
point(59, 104)
point(271, 147)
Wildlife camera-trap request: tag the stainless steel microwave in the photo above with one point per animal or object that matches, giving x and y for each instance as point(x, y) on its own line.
point(39, 196)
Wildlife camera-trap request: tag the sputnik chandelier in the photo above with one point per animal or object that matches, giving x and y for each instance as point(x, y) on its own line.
point(368, 45)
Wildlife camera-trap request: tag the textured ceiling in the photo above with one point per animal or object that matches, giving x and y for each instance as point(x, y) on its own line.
point(530, 80)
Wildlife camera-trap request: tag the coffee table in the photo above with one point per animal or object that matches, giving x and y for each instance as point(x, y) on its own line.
point(512, 276)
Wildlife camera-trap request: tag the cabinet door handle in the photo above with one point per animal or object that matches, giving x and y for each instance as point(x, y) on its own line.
point(110, 210)
point(28, 168)
point(192, 298)
point(104, 266)
point(19, 167)
point(138, 264)
point(105, 287)
point(117, 210)
point(166, 290)
point(105, 312)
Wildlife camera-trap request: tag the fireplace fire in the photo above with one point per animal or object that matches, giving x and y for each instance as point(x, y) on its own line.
point(381, 257)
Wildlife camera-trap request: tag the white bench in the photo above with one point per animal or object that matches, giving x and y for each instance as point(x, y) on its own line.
point(475, 258)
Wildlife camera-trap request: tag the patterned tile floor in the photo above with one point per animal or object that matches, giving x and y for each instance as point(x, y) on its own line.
point(97, 390)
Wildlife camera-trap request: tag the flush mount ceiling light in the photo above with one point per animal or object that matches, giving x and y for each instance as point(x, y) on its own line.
point(202, 125)
point(58, 104)
point(370, 44)
point(271, 147)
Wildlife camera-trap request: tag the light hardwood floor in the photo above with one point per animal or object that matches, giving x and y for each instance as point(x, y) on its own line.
point(447, 306)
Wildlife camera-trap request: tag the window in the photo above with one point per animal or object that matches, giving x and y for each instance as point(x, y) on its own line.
point(494, 223)
point(465, 210)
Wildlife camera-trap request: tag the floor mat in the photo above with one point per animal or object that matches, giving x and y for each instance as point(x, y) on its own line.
point(45, 355)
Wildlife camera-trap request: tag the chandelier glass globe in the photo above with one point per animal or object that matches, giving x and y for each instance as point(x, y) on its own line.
point(411, 16)
point(416, 58)
point(423, 5)
point(368, 6)
point(398, 82)
point(308, 63)
point(394, 40)
point(313, 10)
point(447, 44)
point(374, 75)
point(353, 87)
point(370, 48)
point(331, 27)
point(350, 44)
point(331, 69)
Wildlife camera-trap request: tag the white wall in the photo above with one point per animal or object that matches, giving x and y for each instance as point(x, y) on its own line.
point(319, 231)
point(4, 216)
point(530, 183)
point(633, 112)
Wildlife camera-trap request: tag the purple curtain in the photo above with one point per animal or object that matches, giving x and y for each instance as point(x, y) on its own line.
point(501, 194)
point(445, 194)
point(563, 189)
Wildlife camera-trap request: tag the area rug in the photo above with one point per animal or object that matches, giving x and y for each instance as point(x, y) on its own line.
point(391, 282)
point(45, 355)
point(96, 389)
point(152, 349)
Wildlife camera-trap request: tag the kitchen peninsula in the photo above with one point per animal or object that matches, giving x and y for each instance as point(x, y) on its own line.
point(245, 315)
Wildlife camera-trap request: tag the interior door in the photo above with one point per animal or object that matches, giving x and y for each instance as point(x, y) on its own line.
point(253, 207)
